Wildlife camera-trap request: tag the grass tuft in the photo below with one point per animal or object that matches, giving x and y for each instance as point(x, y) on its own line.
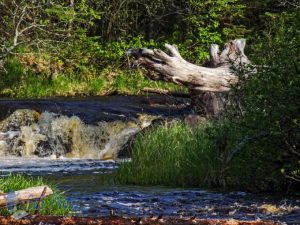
point(55, 204)
point(173, 155)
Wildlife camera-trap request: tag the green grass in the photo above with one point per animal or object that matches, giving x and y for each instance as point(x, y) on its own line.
point(179, 156)
point(55, 204)
point(173, 155)
point(18, 81)
point(132, 82)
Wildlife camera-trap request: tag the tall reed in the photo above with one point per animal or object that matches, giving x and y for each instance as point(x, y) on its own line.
point(175, 155)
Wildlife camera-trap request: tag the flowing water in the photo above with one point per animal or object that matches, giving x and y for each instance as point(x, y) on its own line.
point(62, 141)
point(94, 128)
point(84, 182)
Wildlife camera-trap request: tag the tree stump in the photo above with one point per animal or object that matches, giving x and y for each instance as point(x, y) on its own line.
point(209, 86)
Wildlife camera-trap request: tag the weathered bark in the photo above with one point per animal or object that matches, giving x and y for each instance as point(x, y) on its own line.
point(17, 197)
point(212, 82)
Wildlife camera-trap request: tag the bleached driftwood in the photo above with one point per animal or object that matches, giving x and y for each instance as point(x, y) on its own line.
point(200, 80)
point(16, 197)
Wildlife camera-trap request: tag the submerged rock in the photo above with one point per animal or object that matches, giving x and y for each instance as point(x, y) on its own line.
point(21, 117)
point(194, 120)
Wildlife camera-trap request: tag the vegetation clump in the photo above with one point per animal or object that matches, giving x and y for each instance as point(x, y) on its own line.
point(174, 154)
point(254, 146)
point(77, 48)
point(55, 204)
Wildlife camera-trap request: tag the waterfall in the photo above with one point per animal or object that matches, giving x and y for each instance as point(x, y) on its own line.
point(27, 132)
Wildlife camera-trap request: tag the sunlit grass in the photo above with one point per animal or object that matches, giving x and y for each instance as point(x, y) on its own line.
point(173, 155)
point(19, 81)
point(133, 82)
point(55, 204)
point(206, 157)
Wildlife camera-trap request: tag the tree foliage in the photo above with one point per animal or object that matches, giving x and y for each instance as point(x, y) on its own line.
point(50, 47)
point(269, 91)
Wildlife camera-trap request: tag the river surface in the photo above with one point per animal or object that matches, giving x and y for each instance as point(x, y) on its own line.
point(93, 109)
point(84, 181)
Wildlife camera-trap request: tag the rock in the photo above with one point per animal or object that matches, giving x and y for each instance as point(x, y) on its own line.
point(193, 120)
point(21, 117)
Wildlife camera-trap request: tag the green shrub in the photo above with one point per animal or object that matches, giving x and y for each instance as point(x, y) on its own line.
point(270, 99)
point(11, 77)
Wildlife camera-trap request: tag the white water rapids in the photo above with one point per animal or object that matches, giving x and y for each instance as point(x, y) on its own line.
point(27, 133)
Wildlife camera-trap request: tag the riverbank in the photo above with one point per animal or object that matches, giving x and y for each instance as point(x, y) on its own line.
point(36, 220)
point(204, 154)
point(55, 204)
point(86, 187)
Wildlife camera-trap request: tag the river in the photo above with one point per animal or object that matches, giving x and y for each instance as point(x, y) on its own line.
point(83, 177)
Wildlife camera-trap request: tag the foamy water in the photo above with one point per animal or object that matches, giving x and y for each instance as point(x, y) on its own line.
point(28, 133)
point(40, 166)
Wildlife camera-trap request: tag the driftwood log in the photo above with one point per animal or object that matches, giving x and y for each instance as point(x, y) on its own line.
point(209, 86)
point(166, 92)
point(16, 197)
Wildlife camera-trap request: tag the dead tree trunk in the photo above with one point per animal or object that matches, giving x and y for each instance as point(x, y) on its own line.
point(209, 86)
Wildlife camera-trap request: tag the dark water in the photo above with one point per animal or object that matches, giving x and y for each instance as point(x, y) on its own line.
point(93, 109)
point(83, 181)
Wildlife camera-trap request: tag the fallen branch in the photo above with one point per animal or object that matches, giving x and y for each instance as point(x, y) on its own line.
point(166, 92)
point(242, 144)
point(39, 204)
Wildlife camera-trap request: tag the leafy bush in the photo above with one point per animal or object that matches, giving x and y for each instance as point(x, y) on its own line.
point(270, 95)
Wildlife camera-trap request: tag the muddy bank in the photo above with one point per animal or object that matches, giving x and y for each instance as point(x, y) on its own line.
point(38, 220)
